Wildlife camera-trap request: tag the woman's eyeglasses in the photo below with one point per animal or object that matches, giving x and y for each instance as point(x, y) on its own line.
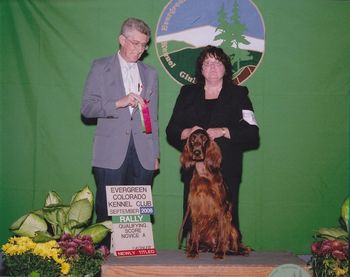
point(210, 64)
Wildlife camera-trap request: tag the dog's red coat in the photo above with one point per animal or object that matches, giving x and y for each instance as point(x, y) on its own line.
point(208, 205)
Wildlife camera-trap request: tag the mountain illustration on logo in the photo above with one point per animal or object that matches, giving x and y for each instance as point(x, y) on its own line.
point(185, 27)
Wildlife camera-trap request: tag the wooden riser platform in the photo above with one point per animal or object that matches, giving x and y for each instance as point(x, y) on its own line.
point(175, 263)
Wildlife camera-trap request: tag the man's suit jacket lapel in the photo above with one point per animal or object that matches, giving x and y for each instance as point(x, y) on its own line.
point(114, 78)
point(114, 82)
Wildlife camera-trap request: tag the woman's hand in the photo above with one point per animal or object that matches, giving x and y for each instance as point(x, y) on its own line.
point(188, 131)
point(218, 132)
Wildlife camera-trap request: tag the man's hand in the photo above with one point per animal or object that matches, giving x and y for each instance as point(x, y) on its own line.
point(131, 99)
point(156, 164)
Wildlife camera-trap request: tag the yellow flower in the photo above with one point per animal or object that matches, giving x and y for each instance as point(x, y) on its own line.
point(65, 268)
point(52, 243)
point(18, 245)
point(56, 258)
point(50, 250)
point(340, 272)
point(5, 247)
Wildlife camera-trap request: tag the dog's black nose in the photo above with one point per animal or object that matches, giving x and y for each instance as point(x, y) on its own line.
point(196, 152)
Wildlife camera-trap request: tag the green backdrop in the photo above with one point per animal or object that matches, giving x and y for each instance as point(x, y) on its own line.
point(292, 185)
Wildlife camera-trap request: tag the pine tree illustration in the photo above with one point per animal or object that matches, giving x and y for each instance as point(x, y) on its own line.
point(231, 35)
point(222, 28)
point(236, 31)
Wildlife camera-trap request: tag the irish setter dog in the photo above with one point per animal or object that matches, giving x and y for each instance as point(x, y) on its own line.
point(208, 205)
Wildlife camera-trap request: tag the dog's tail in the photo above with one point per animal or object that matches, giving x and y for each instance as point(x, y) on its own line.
point(179, 236)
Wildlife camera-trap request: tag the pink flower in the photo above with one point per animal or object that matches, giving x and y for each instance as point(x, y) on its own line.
point(87, 237)
point(104, 250)
point(346, 249)
point(88, 249)
point(71, 251)
point(72, 244)
point(338, 255)
point(337, 244)
point(325, 247)
point(65, 236)
point(315, 247)
point(77, 240)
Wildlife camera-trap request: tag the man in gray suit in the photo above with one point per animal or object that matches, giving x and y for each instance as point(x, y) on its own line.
point(117, 90)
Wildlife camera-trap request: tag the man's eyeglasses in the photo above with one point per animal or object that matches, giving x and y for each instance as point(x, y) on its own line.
point(137, 44)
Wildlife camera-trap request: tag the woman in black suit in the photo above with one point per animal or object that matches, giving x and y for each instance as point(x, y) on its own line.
point(222, 108)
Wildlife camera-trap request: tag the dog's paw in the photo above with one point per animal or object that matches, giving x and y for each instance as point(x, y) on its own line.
point(205, 248)
point(244, 250)
point(192, 254)
point(219, 255)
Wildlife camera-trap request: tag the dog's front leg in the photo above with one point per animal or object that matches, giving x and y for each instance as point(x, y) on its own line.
point(193, 243)
point(222, 239)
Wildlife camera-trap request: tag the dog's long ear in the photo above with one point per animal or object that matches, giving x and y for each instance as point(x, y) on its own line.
point(213, 156)
point(185, 157)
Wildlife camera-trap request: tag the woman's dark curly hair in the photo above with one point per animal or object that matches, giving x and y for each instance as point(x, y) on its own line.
point(218, 54)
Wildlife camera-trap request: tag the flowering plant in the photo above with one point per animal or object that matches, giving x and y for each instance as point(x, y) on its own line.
point(57, 240)
point(82, 255)
point(22, 257)
point(330, 256)
point(70, 256)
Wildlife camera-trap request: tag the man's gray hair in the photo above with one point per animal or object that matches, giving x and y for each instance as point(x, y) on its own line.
point(135, 24)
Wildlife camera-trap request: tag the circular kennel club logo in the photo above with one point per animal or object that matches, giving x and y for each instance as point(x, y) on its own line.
point(185, 27)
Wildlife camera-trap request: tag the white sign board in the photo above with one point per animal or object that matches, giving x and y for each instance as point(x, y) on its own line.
point(129, 200)
point(132, 235)
point(130, 208)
